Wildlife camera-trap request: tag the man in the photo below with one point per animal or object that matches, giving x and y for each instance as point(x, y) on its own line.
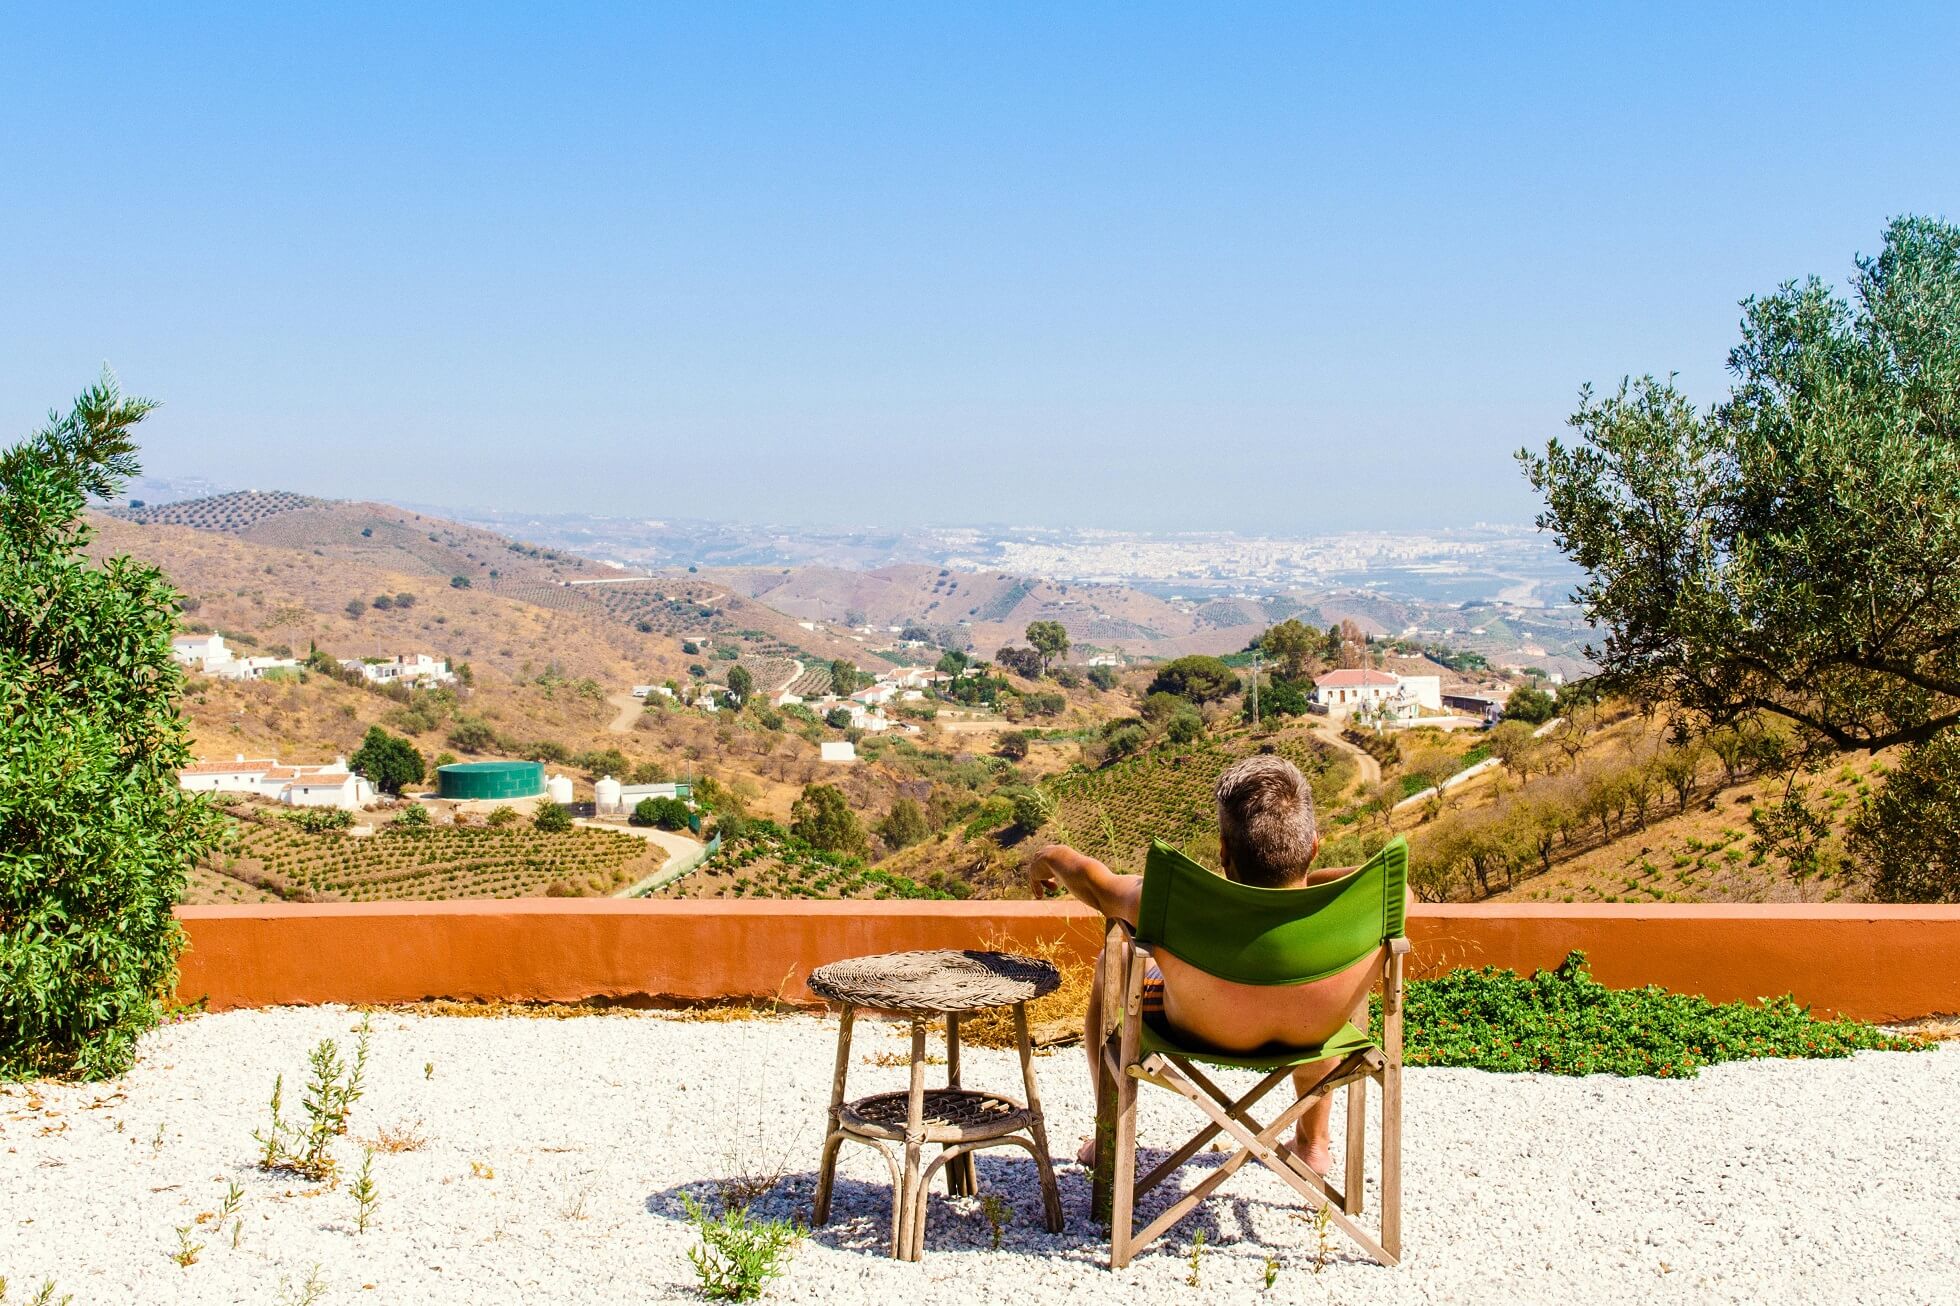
point(1267, 838)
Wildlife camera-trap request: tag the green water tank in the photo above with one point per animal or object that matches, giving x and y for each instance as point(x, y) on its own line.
point(490, 780)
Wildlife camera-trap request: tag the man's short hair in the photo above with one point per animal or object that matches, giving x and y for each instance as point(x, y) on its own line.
point(1265, 817)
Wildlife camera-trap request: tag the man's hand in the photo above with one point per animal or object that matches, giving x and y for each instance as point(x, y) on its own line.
point(1041, 872)
point(1086, 880)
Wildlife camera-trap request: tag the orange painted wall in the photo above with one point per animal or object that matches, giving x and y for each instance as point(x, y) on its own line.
point(1873, 962)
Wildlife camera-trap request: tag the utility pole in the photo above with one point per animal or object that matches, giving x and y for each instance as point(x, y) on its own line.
point(1255, 687)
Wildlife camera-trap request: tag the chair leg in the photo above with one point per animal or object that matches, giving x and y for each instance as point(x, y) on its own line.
point(1355, 1170)
point(1392, 1160)
point(1122, 1215)
point(1103, 1174)
point(962, 1179)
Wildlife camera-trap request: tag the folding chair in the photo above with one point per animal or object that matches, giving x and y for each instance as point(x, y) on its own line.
point(1250, 935)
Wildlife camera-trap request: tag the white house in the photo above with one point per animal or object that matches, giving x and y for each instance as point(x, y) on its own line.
point(326, 789)
point(876, 694)
point(332, 785)
point(252, 668)
point(200, 651)
point(1340, 693)
point(783, 698)
point(407, 668)
point(837, 750)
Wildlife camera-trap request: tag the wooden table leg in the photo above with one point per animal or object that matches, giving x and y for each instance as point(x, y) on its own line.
point(827, 1167)
point(962, 1180)
point(1051, 1197)
point(905, 1237)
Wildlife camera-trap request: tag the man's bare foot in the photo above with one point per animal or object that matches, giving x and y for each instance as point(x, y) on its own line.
point(1317, 1156)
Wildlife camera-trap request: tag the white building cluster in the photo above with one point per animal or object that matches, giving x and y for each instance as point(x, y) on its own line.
point(209, 654)
point(402, 669)
point(332, 785)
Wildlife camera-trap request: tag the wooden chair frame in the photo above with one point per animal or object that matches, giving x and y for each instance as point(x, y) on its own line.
point(1120, 1068)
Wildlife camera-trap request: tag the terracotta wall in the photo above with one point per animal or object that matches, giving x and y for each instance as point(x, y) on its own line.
point(1872, 962)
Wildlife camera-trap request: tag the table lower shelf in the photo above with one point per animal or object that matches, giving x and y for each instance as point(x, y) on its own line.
point(951, 1115)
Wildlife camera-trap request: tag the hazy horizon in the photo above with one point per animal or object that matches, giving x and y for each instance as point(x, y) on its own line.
point(1257, 270)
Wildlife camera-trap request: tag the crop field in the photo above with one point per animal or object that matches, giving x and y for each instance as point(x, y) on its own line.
point(813, 682)
point(234, 512)
point(769, 864)
point(770, 672)
point(280, 859)
point(1114, 813)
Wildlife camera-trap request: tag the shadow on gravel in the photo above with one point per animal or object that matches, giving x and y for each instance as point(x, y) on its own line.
point(861, 1212)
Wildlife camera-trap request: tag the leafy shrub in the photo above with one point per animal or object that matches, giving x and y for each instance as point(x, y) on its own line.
point(500, 817)
point(473, 735)
point(822, 817)
point(662, 813)
point(739, 1254)
point(1563, 1022)
point(904, 825)
point(95, 836)
point(1103, 678)
point(551, 818)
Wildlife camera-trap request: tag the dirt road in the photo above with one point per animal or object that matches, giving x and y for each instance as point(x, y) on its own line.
point(629, 712)
point(1370, 769)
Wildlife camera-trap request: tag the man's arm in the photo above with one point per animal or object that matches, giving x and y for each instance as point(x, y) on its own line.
point(1088, 880)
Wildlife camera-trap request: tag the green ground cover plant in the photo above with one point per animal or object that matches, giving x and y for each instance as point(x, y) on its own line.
point(739, 1253)
point(1564, 1022)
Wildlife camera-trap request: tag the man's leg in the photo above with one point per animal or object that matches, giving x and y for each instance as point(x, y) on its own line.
point(1311, 1141)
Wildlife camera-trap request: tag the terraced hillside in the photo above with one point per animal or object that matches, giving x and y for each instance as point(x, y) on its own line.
point(278, 858)
point(1114, 813)
point(768, 863)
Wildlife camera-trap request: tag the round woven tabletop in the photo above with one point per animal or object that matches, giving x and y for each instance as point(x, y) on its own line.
point(942, 981)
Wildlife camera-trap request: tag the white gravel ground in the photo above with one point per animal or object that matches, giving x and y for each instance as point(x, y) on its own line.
point(1823, 1181)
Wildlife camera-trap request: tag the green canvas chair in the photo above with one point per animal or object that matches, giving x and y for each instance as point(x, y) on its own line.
point(1251, 936)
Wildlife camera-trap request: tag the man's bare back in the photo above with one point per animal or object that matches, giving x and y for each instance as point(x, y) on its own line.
point(1227, 1016)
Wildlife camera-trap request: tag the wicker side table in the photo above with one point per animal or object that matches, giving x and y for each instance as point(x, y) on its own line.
point(924, 986)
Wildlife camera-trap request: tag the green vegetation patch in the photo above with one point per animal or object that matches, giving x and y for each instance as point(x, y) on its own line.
point(1564, 1022)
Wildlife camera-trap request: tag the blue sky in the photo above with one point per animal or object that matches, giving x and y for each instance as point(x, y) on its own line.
point(1278, 269)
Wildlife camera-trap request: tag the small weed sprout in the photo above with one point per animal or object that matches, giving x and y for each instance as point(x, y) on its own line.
point(1197, 1254)
point(575, 1209)
point(428, 1070)
point(999, 1215)
point(1272, 1271)
point(738, 1255)
point(228, 1210)
point(1323, 1220)
point(186, 1253)
point(330, 1094)
point(366, 1196)
point(44, 1297)
point(307, 1294)
point(481, 1170)
point(156, 1144)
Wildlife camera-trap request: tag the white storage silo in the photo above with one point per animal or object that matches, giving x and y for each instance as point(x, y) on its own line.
point(605, 795)
point(558, 789)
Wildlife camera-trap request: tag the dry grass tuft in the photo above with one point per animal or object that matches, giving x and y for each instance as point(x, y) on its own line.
point(1943, 1027)
point(1054, 1019)
point(398, 1138)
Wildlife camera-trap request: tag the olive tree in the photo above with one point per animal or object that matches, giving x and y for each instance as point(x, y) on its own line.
point(96, 839)
point(1790, 549)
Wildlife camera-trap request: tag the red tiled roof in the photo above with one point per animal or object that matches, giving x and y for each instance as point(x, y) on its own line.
point(1354, 678)
point(250, 765)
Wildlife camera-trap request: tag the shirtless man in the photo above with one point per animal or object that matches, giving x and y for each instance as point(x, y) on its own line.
point(1266, 837)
